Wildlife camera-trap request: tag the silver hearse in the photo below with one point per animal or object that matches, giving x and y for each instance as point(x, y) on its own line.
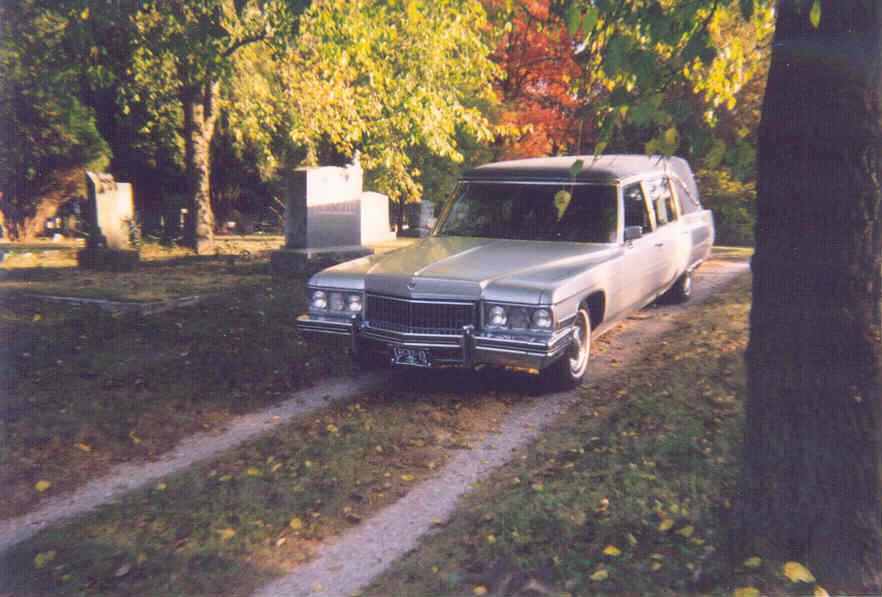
point(529, 260)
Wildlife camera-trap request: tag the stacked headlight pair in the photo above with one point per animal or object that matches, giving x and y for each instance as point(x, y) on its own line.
point(512, 317)
point(335, 302)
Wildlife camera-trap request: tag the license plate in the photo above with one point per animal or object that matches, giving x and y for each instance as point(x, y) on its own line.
point(413, 357)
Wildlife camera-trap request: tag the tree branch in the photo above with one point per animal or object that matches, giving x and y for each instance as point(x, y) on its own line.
point(250, 39)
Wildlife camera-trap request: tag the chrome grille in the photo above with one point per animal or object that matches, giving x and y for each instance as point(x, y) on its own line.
point(418, 317)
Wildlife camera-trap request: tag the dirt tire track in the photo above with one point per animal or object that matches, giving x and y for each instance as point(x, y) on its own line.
point(133, 475)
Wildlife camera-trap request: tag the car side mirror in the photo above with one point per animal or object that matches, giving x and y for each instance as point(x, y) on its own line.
point(633, 233)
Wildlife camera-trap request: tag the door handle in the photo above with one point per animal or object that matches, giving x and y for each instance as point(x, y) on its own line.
point(659, 244)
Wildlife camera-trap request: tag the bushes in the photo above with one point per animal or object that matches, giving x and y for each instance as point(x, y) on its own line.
point(733, 203)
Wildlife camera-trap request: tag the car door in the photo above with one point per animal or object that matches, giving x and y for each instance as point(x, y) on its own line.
point(667, 243)
point(638, 273)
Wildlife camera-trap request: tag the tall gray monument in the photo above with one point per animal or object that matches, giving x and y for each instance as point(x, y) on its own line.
point(329, 218)
point(109, 214)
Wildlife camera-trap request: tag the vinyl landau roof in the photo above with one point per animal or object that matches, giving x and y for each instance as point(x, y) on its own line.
point(602, 169)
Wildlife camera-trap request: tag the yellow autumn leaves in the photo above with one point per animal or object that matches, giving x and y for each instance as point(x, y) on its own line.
point(792, 571)
point(43, 558)
point(43, 484)
point(796, 572)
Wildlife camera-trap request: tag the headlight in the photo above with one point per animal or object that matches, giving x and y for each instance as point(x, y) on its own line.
point(542, 319)
point(319, 300)
point(336, 303)
point(353, 303)
point(518, 318)
point(496, 316)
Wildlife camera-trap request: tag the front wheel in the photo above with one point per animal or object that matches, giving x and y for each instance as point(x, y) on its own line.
point(569, 370)
point(681, 291)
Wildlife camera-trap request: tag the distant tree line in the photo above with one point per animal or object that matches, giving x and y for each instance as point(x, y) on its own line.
point(201, 104)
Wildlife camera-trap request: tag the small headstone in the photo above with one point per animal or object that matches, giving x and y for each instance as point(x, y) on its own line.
point(109, 219)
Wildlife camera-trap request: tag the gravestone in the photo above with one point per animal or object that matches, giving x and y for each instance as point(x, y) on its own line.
point(329, 218)
point(109, 217)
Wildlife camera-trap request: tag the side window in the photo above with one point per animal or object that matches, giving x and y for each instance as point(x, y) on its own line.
point(635, 208)
point(662, 200)
point(687, 202)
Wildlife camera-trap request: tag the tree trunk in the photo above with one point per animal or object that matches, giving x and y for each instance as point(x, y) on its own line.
point(24, 217)
point(812, 480)
point(200, 114)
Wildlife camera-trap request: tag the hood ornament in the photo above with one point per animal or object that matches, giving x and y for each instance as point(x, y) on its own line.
point(411, 284)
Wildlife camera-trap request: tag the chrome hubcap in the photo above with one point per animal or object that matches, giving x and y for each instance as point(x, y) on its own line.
point(581, 347)
point(687, 285)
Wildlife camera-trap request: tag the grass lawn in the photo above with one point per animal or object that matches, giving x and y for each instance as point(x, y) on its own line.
point(82, 390)
point(629, 494)
point(229, 526)
point(638, 503)
point(164, 272)
point(732, 253)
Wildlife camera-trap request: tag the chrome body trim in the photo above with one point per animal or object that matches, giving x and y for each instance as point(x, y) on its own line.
point(470, 347)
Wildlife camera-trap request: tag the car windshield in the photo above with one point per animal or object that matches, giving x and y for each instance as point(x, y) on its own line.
point(580, 213)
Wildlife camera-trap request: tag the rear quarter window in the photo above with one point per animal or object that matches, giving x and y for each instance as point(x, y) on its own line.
point(688, 204)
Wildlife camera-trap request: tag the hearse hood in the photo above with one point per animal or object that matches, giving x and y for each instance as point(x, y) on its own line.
point(466, 268)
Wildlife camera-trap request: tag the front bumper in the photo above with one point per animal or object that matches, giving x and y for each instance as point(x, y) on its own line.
point(467, 349)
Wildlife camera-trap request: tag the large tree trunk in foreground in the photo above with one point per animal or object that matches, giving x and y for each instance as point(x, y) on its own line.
point(200, 114)
point(811, 487)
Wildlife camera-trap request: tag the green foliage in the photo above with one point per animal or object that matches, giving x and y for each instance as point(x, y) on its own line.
point(663, 77)
point(184, 45)
point(391, 80)
point(406, 83)
point(438, 175)
point(48, 132)
point(733, 204)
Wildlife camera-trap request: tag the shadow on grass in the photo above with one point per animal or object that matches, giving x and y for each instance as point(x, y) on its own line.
point(123, 568)
point(126, 386)
point(231, 264)
point(468, 383)
point(227, 526)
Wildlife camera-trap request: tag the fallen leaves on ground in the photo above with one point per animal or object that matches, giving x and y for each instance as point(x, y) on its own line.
point(43, 558)
point(600, 575)
point(796, 572)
